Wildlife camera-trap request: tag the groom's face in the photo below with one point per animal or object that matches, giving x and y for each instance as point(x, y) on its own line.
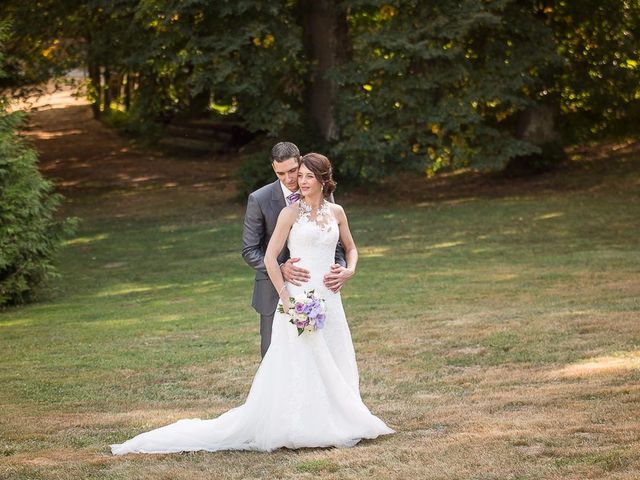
point(287, 172)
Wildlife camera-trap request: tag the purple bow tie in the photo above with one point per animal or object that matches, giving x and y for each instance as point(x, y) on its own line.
point(294, 197)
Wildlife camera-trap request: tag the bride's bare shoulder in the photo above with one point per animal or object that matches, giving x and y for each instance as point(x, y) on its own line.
point(289, 214)
point(337, 210)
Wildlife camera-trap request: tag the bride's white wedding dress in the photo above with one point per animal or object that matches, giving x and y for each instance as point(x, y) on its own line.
point(306, 390)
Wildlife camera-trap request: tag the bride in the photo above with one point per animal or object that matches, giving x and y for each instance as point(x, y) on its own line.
point(306, 390)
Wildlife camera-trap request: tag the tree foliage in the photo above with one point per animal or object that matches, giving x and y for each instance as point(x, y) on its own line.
point(242, 56)
point(440, 84)
point(416, 84)
point(30, 234)
point(598, 84)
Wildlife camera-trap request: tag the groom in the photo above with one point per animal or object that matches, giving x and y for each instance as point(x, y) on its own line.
point(263, 207)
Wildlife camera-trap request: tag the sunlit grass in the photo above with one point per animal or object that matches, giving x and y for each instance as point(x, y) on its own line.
point(500, 337)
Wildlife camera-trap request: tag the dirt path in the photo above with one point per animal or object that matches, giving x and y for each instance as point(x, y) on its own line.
point(88, 160)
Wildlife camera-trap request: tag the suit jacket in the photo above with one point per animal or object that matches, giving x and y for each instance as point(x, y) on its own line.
point(263, 207)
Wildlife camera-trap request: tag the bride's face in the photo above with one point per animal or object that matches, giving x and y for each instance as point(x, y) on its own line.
point(308, 183)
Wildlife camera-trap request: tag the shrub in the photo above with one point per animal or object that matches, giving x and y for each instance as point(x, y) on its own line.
point(30, 235)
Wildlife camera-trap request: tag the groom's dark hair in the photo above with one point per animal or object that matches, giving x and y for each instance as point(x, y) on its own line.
point(283, 151)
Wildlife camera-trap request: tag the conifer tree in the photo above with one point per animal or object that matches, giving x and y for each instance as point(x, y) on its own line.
point(30, 234)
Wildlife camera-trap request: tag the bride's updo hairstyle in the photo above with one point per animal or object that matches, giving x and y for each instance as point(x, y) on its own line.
point(320, 166)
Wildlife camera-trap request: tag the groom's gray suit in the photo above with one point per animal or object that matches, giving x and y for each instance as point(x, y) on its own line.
point(263, 207)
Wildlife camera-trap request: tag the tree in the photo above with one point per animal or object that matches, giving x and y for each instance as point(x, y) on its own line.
point(435, 85)
point(327, 45)
point(598, 84)
point(380, 84)
point(30, 235)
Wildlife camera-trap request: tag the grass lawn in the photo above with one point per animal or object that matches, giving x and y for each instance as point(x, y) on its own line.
point(498, 334)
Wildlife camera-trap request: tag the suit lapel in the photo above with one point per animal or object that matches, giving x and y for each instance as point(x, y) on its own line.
point(277, 197)
point(278, 203)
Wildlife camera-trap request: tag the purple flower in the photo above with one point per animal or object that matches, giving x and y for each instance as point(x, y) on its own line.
point(316, 309)
point(308, 312)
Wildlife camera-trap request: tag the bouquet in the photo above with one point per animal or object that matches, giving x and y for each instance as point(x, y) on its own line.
point(307, 312)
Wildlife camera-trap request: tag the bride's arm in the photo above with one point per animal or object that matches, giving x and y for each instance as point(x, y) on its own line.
point(350, 250)
point(285, 220)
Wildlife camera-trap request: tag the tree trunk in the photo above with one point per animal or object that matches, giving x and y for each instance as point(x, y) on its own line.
point(107, 89)
point(199, 104)
point(127, 91)
point(537, 125)
point(94, 77)
point(327, 44)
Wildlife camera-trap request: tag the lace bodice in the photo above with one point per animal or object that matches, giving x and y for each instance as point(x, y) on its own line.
point(323, 217)
point(313, 239)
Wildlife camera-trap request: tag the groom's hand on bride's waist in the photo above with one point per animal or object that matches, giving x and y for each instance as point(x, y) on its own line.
point(337, 277)
point(292, 274)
